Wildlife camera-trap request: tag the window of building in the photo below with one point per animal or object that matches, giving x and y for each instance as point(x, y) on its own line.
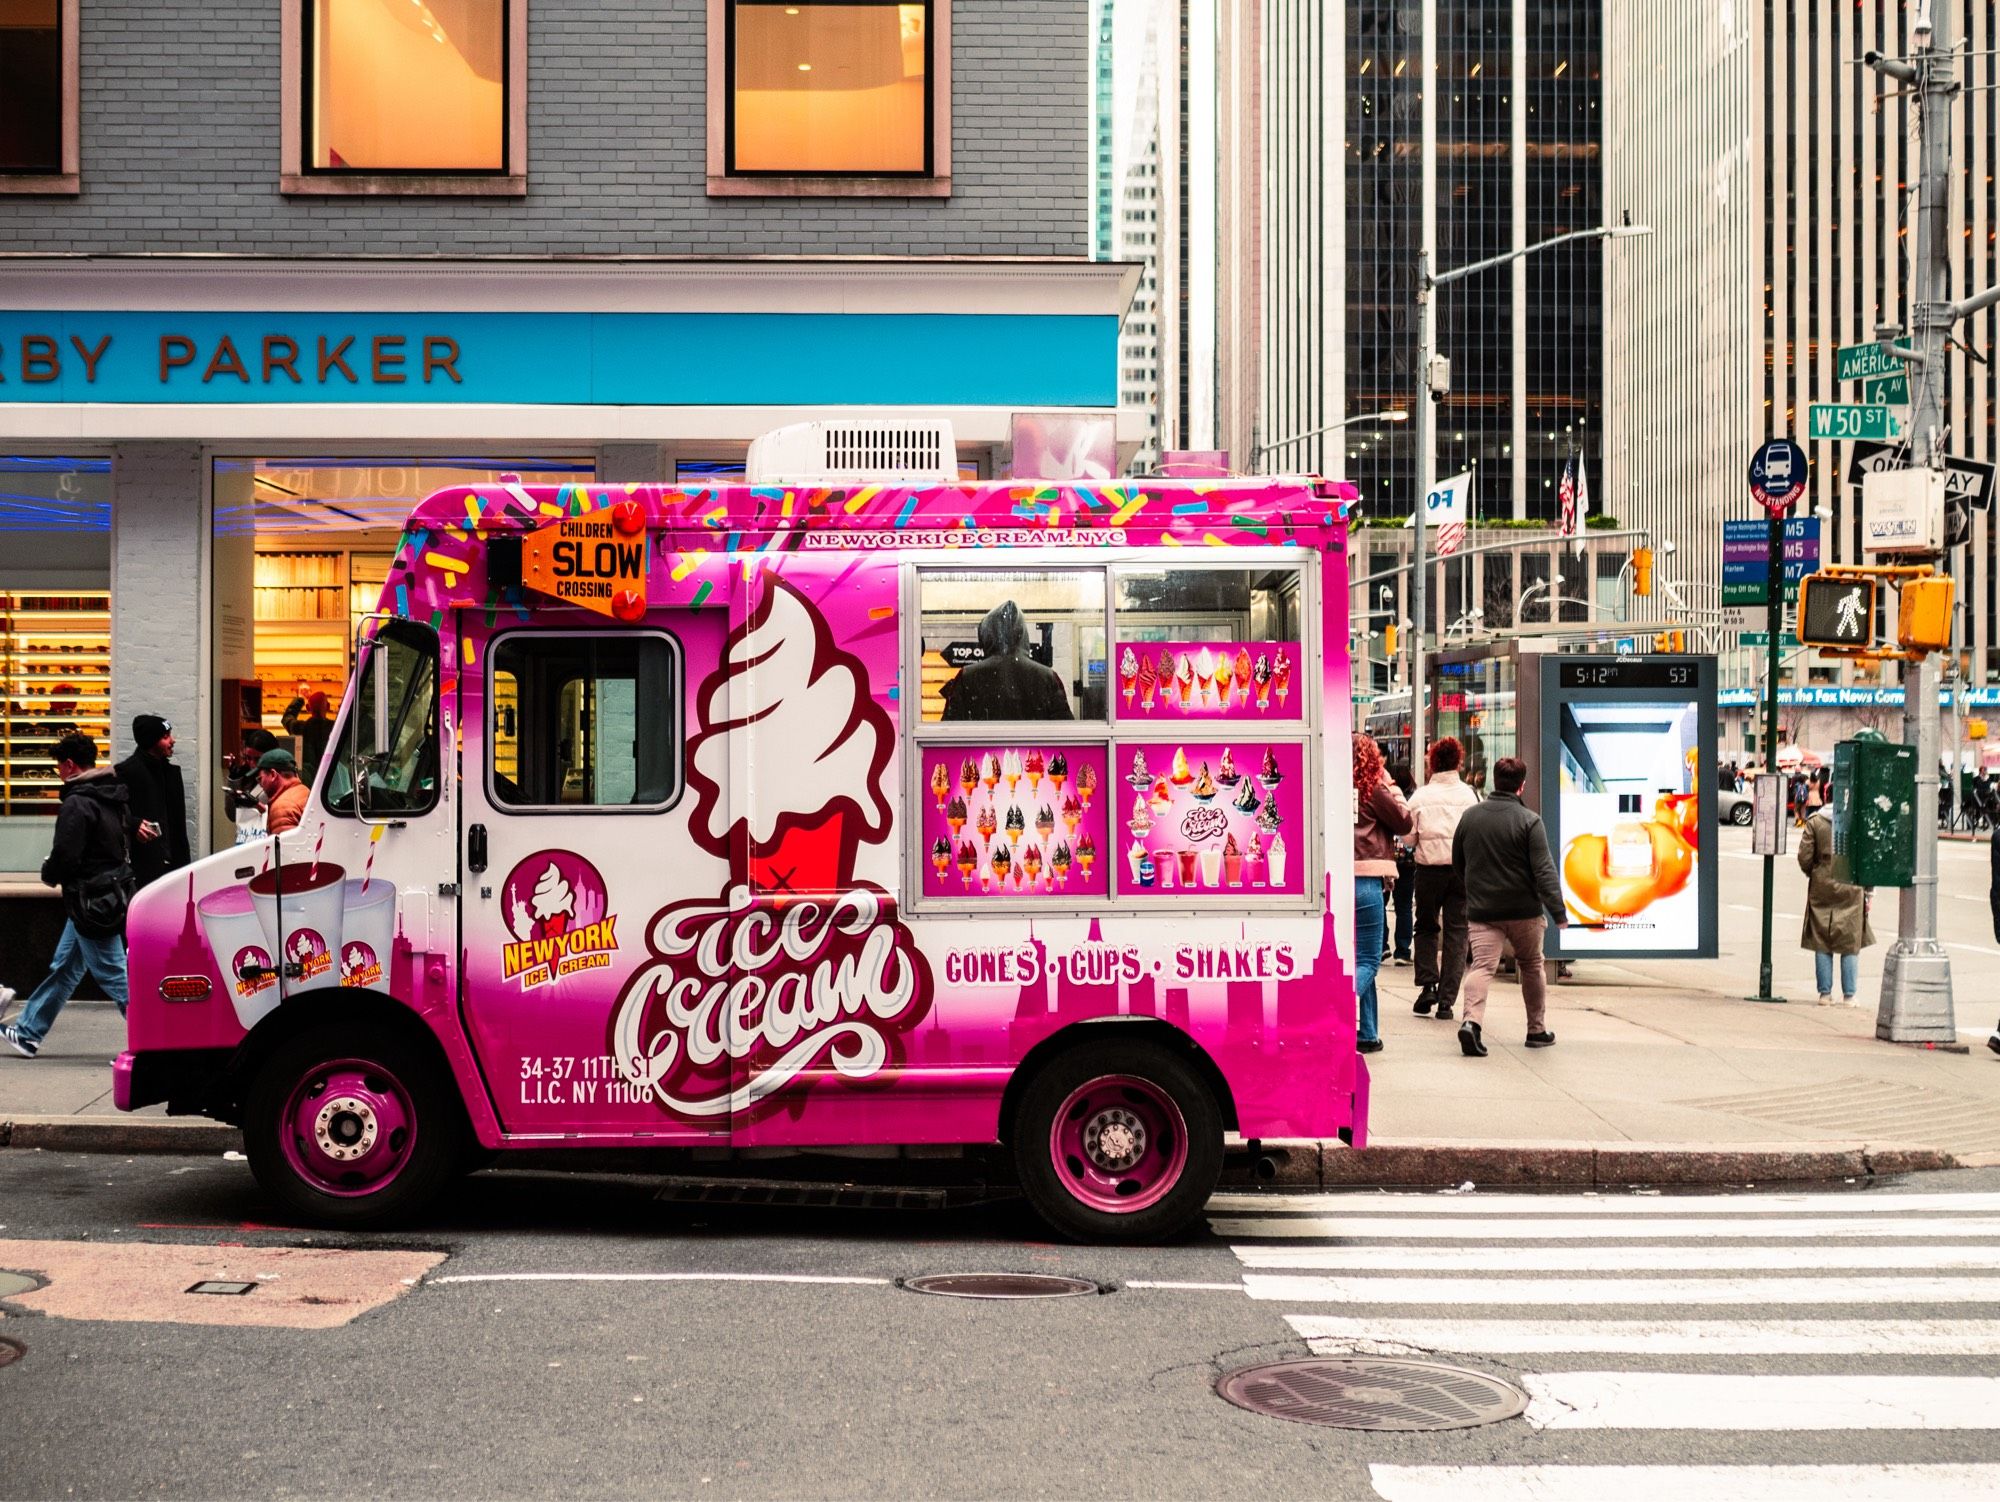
point(829, 96)
point(425, 96)
point(38, 96)
point(578, 720)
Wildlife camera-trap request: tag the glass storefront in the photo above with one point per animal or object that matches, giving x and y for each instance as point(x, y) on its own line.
point(55, 636)
point(301, 549)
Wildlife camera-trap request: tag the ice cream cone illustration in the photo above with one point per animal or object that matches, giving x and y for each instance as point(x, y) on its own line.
point(1086, 852)
point(1224, 667)
point(1128, 673)
point(1001, 863)
point(1059, 770)
point(968, 862)
point(1017, 824)
point(1184, 680)
point(1243, 684)
point(987, 825)
point(1141, 820)
point(954, 815)
point(968, 776)
point(1261, 674)
point(941, 854)
point(553, 904)
point(1163, 669)
point(1141, 776)
point(940, 783)
point(1204, 674)
point(1149, 682)
point(1035, 767)
point(1031, 862)
point(1059, 863)
point(1072, 813)
point(1281, 675)
point(1010, 767)
point(1086, 782)
point(1181, 776)
point(1045, 821)
point(994, 771)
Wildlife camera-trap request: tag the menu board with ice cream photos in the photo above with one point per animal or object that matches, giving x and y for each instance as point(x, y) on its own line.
point(1217, 680)
point(1015, 821)
point(1212, 816)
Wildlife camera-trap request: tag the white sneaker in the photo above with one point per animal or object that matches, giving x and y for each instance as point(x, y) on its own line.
point(6, 999)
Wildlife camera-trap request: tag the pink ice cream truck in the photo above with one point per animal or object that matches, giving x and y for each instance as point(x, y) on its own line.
point(995, 816)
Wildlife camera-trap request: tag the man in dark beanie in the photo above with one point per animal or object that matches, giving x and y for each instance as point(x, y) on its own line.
point(158, 798)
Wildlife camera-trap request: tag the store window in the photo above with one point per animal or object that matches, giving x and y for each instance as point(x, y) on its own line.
point(585, 721)
point(301, 551)
point(808, 95)
point(38, 96)
point(385, 93)
point(55, 637)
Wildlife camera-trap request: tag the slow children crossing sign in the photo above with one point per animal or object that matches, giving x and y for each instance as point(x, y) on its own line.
point(597, 562)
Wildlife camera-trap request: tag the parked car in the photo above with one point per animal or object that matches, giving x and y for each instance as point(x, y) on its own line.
point(1734, 808)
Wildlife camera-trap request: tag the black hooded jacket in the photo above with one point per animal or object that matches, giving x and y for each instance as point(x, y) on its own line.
point(155, 790)
point(90, 829)
point(1007, 684)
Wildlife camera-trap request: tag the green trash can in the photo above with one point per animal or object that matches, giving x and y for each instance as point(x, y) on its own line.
point(1875, 812)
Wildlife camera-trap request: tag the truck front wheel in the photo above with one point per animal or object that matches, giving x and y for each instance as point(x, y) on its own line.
point(352, 1127)
point(1118, 1142)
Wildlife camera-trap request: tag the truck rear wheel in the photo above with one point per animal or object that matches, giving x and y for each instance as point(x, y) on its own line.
point(352, 1127)
point(1118, 1142)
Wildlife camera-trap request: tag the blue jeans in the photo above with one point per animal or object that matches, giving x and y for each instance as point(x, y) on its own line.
point(1850, 973)
point(1368, 916)
point(103, 958)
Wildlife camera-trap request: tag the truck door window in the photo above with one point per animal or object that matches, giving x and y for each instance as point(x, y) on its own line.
point(585, 721)
point(389, 743)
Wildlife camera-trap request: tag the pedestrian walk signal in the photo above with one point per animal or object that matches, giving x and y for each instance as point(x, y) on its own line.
point(1836, 611)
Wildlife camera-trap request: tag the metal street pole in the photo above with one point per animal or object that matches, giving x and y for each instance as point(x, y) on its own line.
point(1916, 1003)
point(1774, 619)
point(1422, 410)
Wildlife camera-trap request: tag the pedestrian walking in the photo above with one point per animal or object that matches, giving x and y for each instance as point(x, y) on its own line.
point(1404, 893)
point(1836, 916)
point(1501, 853)
point(157, 800)
point(90, 861)
point(284, 795)
point(1436, 809)
point(1380, 814)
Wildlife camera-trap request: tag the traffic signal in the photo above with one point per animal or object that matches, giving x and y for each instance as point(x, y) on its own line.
point(1389, 640)
point(1642, 572)
point(1670, 641)
point(1924, 619)
point(1837, 611)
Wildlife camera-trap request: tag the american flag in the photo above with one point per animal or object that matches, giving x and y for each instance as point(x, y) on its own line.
point(1451, 537)
point(1566, 496)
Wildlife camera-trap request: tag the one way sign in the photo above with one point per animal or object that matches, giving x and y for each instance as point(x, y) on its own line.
point(1966, 481)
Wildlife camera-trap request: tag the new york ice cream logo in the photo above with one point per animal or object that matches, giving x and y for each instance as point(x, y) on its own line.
point(797, 966)
point(557, 909)
point(307, 950)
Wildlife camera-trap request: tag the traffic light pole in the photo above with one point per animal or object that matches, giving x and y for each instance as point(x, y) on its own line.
point(1774, 627)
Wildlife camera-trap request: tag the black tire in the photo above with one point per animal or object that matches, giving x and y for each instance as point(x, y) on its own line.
point(1043, 1180)
point(1742, 814)
point(437, 1145)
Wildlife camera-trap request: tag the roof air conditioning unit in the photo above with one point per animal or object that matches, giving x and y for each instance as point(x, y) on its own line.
point(919, 452)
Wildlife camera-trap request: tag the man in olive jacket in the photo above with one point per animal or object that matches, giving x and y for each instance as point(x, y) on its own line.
point(1501, 853)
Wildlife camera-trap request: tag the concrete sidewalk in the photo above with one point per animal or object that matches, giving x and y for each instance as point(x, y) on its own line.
point(1661, 1077)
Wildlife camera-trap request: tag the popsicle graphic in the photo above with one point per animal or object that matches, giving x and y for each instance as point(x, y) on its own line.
point(940, 783)
point(1128, 674)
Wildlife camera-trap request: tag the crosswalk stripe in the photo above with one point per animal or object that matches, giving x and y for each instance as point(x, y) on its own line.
point(1856, 1203)
point(1711, 1483)
point(1462, 1291)
point(1766, 1402)
point(1390, 1227)
point(1638, 1259)
point(1335, 1334)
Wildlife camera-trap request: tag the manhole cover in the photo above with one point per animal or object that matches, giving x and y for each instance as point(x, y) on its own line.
point(13, 1283)
point(1001, 1285)
point(1361, 1392)
point(11, 1351)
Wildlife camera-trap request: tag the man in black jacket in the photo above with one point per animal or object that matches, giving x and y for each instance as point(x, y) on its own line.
point(1993, 897)
point(158, 799)
point(1501, 853)
point(89, 843)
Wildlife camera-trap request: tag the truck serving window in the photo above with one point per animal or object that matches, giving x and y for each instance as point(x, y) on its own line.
point(388, 745)
point(585, 721)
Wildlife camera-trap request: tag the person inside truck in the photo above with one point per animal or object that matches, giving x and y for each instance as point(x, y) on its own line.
point(1007, 684)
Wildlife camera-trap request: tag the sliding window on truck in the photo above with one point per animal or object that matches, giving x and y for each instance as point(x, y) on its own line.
point(389, 746)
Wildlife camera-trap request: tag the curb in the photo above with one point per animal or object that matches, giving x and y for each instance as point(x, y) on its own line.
point(1389, 1163)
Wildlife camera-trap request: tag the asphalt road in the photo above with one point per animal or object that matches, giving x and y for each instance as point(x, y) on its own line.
point(705, 1371)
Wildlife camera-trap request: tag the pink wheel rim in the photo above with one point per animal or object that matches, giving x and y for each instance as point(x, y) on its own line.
point(348, 1128)
point(1119, 1144)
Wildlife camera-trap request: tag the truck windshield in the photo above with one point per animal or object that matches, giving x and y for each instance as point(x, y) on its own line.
point(388, 747)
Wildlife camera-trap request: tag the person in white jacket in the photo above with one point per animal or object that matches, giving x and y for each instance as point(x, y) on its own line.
point(1437, 807)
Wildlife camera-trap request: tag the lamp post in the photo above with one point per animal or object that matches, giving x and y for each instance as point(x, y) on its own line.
point(1397, 414)
point(1434, 373)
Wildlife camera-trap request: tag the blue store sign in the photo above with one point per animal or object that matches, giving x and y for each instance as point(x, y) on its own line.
point(563, 359)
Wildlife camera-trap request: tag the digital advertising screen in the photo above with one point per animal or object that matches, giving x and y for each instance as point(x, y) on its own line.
point(1628, 799)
